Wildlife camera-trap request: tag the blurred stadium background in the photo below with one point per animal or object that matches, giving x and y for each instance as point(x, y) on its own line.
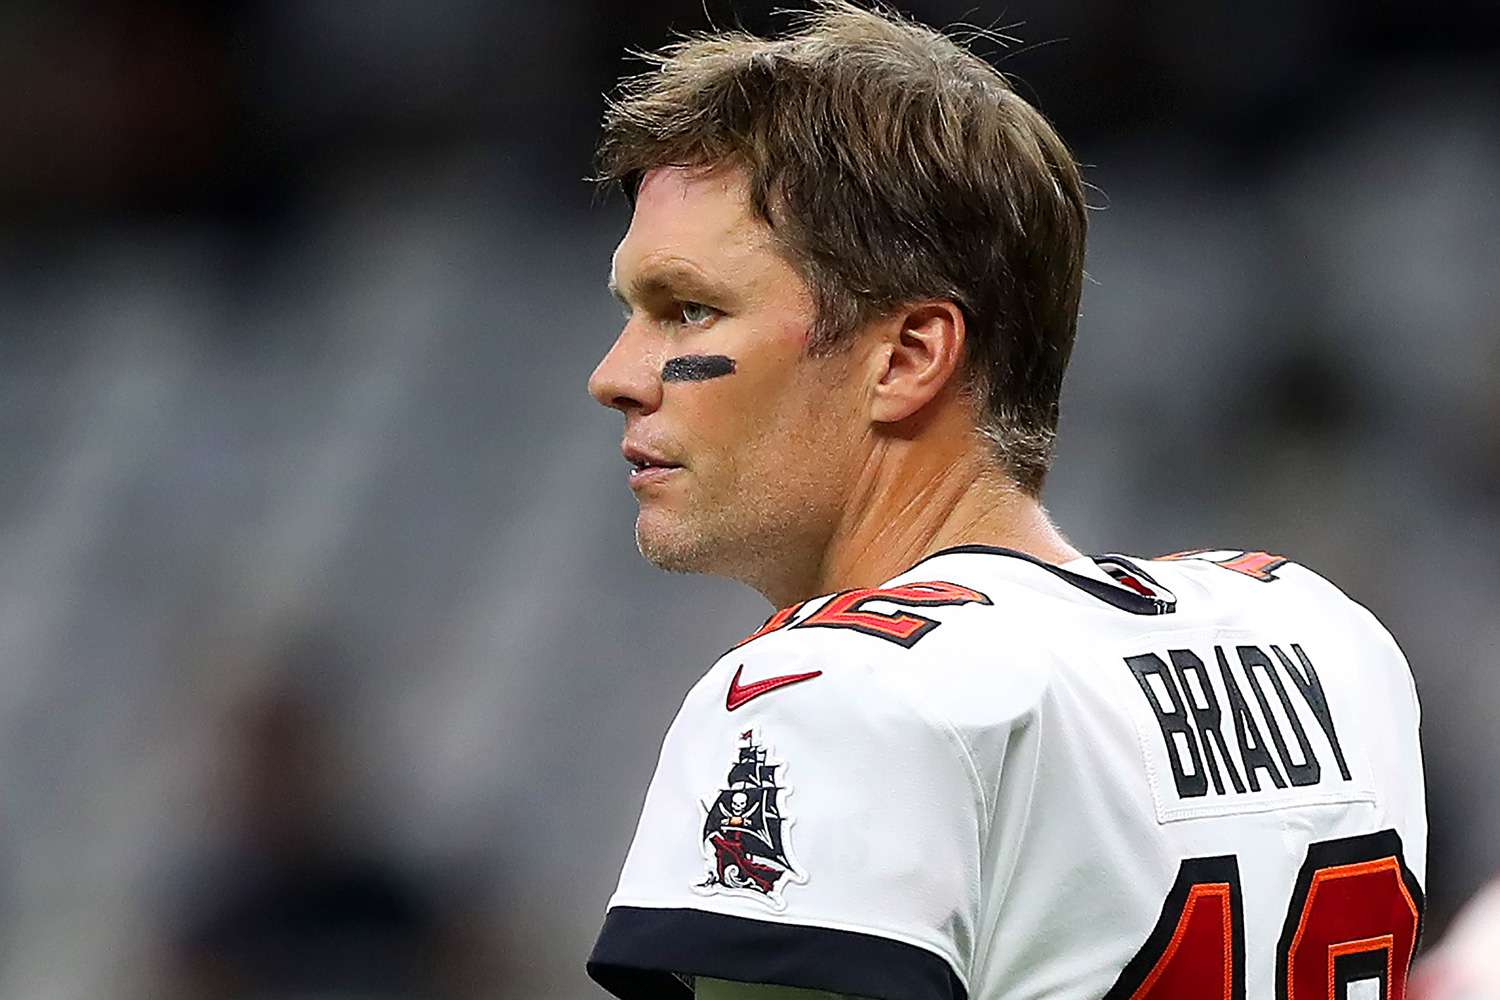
point(327, 665)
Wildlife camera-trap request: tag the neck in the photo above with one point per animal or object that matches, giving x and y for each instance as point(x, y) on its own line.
point(912, 500)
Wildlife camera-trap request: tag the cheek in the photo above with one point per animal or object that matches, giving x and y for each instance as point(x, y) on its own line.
point(757, 418)
point(728, 427)
point(791, 430)
point(733, 409)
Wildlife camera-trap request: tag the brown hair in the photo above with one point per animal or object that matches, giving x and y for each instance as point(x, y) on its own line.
point(892, 165)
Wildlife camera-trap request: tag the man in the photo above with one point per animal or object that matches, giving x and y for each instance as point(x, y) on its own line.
point(963, 759)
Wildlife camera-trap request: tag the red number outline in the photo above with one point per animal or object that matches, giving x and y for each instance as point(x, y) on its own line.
point(1360, 886)
point(1201, 882)
point(1333, 866)
point(1260, 566)
point(847, 610)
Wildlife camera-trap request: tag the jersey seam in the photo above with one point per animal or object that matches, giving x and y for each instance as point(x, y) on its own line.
point(976, 887)
point(1002, 888)
point(925, 704)
point(900, 937)
point(973, 769)
point(987, 812)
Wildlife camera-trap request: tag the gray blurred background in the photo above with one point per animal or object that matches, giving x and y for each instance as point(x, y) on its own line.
point(327, 664)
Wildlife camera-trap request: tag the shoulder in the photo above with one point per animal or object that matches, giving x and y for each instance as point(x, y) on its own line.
point(815, 795)
point(1276, 582)
point(934, 648)
point(932, 673)
point(1284, 595)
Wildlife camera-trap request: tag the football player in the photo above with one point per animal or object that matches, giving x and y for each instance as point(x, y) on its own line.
point(963, 759)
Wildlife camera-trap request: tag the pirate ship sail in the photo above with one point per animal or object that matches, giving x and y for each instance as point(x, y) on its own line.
point(744, 824)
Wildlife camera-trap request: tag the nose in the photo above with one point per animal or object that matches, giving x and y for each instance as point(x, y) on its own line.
point(628, 378)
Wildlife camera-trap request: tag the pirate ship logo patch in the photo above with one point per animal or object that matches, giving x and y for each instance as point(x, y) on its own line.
point(745, 830)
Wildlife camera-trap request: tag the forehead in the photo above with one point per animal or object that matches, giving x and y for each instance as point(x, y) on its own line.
point(693, 215)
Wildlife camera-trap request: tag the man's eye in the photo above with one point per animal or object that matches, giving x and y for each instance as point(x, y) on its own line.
point(698, 314)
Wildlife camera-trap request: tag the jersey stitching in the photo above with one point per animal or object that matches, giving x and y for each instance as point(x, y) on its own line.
point(1024, 828)
point(835, 925)
point(1353, 796)
point(982, 941)
point(1143, 747)
point(986, 810)
point(1361, 790)
point(977, 886)
point(973, 769)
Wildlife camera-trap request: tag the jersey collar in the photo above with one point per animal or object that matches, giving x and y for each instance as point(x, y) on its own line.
point(1118, 596)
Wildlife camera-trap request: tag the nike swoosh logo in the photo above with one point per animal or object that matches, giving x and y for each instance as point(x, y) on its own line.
point(741, 693)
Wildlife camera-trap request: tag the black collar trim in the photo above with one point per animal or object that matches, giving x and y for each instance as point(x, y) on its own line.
point(1119, 597)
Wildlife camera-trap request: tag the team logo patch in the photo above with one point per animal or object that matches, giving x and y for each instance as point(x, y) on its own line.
point(745, 830)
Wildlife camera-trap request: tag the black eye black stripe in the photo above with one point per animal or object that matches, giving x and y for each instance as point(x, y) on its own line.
point(697, 368)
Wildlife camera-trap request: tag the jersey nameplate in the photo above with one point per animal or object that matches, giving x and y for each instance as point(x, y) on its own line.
point(1228, 728)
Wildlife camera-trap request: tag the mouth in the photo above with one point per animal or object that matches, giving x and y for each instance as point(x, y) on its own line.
point(645, 475)
point(647, 468)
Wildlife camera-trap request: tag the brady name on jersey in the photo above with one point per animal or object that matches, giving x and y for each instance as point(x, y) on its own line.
point(994, 777)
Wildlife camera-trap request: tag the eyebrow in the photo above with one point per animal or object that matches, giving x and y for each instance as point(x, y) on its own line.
point(675, 281)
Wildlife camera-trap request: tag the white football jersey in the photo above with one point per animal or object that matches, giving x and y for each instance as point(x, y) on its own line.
point(1194, 777)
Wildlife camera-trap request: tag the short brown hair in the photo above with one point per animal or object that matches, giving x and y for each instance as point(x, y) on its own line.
point(892, 165)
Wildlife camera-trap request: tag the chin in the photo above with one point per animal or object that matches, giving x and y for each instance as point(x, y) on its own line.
point(678, 547)
point(672, 547)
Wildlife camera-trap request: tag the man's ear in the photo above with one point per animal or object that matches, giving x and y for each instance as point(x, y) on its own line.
point(921, 355)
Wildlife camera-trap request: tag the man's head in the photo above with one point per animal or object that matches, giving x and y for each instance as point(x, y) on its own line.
point(838, 188)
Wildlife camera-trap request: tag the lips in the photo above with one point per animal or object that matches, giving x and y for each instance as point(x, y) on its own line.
point(647, 465)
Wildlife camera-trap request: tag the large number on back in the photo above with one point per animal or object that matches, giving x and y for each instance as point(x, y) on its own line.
point(1352, 926)
point(1353, 923)
point(1197, 948)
